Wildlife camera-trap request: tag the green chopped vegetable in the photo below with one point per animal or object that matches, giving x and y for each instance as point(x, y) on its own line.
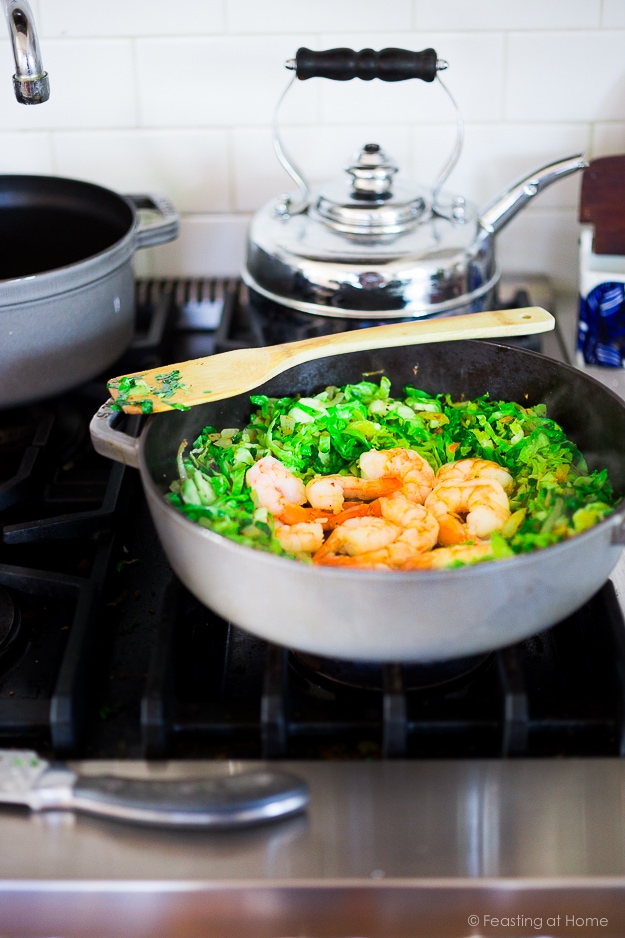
point(135, 390)
point(554, 496)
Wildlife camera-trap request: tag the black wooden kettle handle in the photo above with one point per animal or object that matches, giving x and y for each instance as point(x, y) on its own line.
point(345, 64)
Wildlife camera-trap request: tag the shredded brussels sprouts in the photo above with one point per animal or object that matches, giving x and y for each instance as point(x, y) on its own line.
point(554, 497)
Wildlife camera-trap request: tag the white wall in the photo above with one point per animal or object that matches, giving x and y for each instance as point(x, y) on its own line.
point(178, 98)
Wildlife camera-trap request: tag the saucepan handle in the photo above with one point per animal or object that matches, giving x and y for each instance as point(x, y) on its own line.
point(110, 442)
point(155, 230)
point(387, 65)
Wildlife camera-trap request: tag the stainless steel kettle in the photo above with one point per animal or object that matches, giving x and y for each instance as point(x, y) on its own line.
point(371, 246)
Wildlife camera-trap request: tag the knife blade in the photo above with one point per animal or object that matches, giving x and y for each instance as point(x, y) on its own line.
point(214, 802)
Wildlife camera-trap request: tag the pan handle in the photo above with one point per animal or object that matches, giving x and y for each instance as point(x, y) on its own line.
point(155, 231)
point(112, 443)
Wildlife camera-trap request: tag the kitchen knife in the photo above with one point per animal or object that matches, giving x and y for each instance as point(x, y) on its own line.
point(215, 802)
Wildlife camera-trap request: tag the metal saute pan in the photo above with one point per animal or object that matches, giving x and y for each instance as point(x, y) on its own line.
point(383, 615)
point(66, 280)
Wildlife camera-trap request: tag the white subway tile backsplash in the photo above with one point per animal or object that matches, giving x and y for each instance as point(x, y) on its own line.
point(26, 153)
point(278, 16)
point(208, 246)
point(608, 139)
point(566, 76)
point(191, 167)
point(613, 13)
point(230, 81)
point(493, 14)
point(92, 84)
point(130, 18)
point(147, 96)
point(496, 156)
point(542, 242)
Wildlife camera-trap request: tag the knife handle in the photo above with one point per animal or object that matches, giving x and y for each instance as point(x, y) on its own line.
point(387, 65)
point(218, 802)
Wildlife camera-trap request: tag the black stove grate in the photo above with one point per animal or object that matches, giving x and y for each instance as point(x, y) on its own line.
point(216, 691)
point(104, 654)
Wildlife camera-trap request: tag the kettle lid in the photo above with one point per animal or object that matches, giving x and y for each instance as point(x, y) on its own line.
point(374, 205)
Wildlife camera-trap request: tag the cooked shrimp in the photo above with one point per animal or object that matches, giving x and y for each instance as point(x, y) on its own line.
point(442, 557)
point(278, 490)
point(465, 469)
point(413, 471)
point(407, 528)
point(383, 472)
point(392, 557)
point(349, 510)
point(303, 537)
point(401, 510)
point(328, 493)
point(467, 510)
point(419, 526)
point(358, 536)
point(275, 485)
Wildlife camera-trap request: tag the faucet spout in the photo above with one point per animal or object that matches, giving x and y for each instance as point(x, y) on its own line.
point(30, 82)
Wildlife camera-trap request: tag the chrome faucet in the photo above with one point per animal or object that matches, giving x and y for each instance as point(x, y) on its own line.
point(30, 82)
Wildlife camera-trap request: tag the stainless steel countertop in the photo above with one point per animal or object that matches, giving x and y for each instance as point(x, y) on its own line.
point(403, 820)
point(385, 849)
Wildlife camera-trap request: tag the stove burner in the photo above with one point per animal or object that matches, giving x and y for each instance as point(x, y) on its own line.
point(370, 676)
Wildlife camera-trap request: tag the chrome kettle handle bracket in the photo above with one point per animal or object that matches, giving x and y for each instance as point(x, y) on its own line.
point(344, 65)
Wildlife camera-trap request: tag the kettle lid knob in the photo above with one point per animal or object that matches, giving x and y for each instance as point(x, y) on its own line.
point(372, 172)
point(370, 208)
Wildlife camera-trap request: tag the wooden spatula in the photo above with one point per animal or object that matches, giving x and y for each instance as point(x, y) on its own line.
point(180, 386)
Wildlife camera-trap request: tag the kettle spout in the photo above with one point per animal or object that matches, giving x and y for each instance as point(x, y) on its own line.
point(30, 82)
point(501, 210)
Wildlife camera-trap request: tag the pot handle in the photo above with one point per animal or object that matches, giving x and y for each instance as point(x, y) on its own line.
point(112, 443)
point(166, 228)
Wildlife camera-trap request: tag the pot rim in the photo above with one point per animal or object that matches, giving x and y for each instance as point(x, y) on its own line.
point(17, 291)
point(22, 291)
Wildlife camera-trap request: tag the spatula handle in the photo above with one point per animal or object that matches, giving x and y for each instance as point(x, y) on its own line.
point(486, 325)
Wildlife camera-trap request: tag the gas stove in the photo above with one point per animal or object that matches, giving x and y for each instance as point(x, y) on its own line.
point(433, 787)
point(103, 654)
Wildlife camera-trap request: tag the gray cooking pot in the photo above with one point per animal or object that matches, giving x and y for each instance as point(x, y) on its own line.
point(66, 280)
point(373, 246)
point(372, 615)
